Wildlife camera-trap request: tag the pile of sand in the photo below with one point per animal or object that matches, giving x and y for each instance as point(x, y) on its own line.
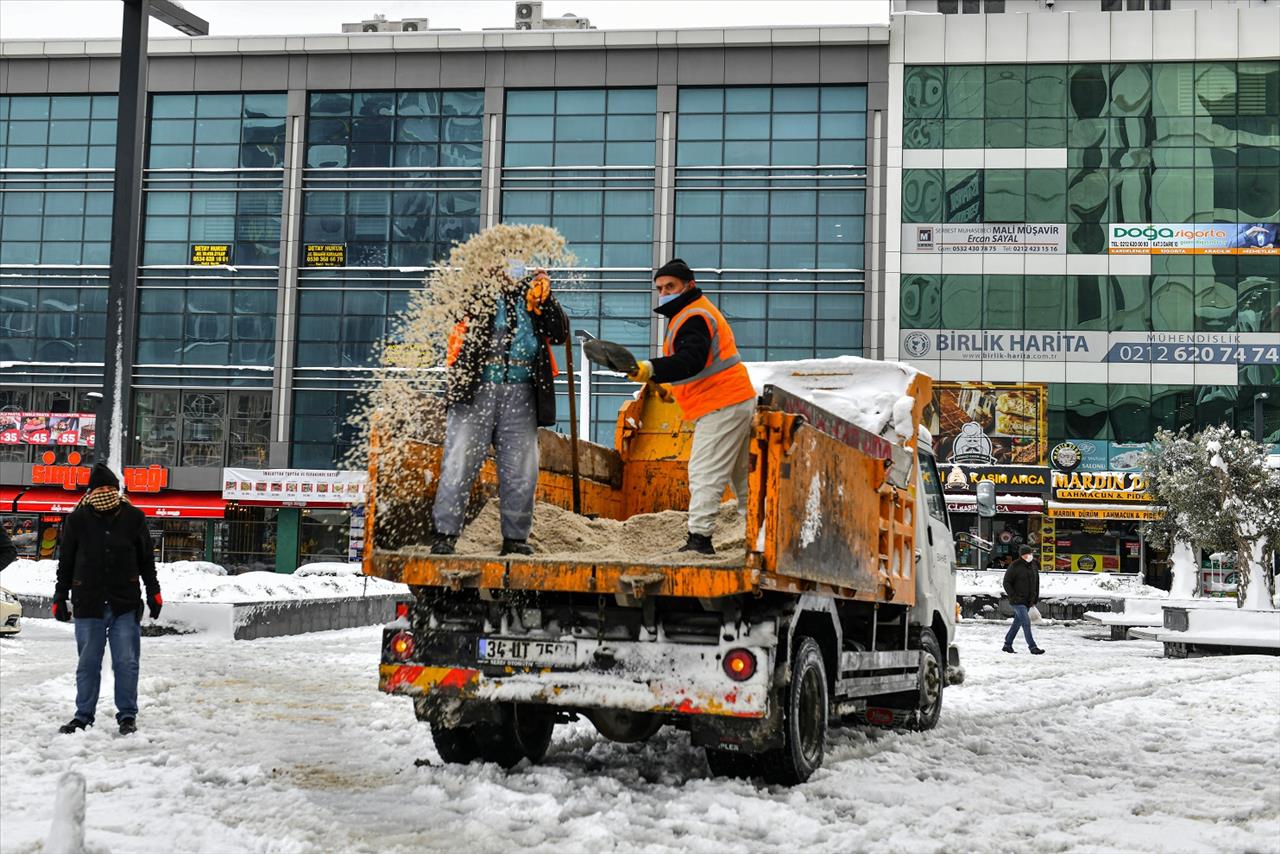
point(560, 534)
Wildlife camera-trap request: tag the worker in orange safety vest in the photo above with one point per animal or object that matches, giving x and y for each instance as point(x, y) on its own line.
point(700, 363)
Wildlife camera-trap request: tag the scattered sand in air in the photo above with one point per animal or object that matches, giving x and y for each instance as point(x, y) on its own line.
point(406, 395)
point(560, 534)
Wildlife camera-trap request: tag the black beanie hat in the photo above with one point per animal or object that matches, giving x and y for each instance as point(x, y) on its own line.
point(675, 267)
point(1023, 551)
point(102, 476)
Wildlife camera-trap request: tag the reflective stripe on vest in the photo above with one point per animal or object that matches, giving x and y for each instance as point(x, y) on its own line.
point(707, 390)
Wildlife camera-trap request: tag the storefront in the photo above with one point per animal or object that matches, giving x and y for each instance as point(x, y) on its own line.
point(1020, 503)
point(309, 515)
point(1093, 523)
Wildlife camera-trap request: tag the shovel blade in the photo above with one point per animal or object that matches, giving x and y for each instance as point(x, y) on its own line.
point(607, 354)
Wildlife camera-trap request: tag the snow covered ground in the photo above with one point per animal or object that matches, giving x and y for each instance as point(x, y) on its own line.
point(285, 745)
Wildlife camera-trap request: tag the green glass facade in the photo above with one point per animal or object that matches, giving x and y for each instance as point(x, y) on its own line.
point(1176, 142)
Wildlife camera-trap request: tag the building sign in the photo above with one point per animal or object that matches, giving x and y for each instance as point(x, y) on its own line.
point(294, 486)
point(73, 476)
point(1107, 486)
point(1033, 480)
point(1016, 238)
point(1096, 455)
point(325, 255)
point(989, 424)
point(355, 534)
point(1202, 238)
point(1175, 348)
point(211, 254)
point(1087, 563)
point(969, 504)
point(1122, 514)
point(47, 428)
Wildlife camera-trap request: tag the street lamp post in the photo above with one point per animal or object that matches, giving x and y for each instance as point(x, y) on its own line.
point(1257, 414)
point(126, 210)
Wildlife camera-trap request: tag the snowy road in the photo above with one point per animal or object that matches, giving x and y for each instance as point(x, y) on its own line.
point(285, 745)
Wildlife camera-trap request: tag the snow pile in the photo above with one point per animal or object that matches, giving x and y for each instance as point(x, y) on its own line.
point(869, 393)
point(66, 835)
point(309, 569)
point(972, 582)
point(193, 567)
point(1185, 572)
point(179, 583)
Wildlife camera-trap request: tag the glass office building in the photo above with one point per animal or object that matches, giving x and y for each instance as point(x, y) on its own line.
point(1086, 212)
point(744, 151)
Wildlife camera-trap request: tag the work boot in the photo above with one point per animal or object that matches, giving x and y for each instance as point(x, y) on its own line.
point(1037, 651)
point(73, 725)
point(699, 543)
point(1007, 649)
point(128, 727)
point(444, 544)
point(515, 547)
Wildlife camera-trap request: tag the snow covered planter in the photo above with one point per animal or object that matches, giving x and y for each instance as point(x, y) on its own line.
point(1222, 495)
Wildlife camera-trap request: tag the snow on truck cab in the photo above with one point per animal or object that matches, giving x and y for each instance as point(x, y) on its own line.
point(835, 605)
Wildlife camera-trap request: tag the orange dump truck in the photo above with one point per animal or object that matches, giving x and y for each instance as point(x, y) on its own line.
point(839, 608)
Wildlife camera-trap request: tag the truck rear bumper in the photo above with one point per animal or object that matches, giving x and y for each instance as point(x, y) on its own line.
point(642, 677)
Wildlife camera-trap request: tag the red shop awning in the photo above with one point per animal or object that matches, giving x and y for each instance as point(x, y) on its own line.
point(175, 504)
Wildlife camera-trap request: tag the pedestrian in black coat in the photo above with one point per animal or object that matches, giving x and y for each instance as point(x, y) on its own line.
point(104, 553)
point(8, 554)
point(1022, 586)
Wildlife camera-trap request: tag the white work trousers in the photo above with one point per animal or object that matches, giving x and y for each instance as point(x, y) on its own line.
point(719, 458)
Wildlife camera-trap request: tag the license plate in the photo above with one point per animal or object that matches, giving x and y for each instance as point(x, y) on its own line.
point(528, 653)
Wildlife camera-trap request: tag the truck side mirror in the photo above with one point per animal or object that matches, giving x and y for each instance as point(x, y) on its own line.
point(986, 499)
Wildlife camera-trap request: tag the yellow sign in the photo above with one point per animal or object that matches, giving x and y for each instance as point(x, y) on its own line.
point(1100, 486)
point(1128, 514)
point(210, 254)
point(326, 255)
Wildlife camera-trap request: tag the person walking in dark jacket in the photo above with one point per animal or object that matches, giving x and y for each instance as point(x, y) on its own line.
point(105, 550)
point(501, 374)
point(1022, 586)
point(8, 554)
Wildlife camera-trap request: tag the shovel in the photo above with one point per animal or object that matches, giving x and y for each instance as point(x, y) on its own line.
point(615, 357)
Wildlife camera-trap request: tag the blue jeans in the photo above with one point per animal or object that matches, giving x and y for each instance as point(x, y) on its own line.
point(93, 634)
point(1020, 618)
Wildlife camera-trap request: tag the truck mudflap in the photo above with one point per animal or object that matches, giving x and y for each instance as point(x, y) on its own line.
point(637, 677)
point(955, 670)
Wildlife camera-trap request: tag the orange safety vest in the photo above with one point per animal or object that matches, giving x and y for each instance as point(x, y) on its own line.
point(724, 380)
point(458, 336)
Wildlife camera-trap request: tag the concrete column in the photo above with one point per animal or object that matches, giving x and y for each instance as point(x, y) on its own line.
point(287, 288)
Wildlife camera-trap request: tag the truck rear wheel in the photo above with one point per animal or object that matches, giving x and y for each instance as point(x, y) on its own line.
point(804, 723)
point(729, 763)
point(522, 732)
point(932, 681)
point(456, 745)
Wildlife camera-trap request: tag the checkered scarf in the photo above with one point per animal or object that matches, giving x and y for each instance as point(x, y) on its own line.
point(103, 500)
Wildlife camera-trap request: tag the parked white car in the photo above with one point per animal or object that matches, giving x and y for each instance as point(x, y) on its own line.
point(10, 613)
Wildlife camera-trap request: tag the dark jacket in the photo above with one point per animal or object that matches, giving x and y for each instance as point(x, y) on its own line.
point(101, 558)
point(1022, 583)
point(466, 372)
point(8, 554)
point(692, 344)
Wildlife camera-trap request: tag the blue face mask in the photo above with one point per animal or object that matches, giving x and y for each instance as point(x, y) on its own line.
point(663, 300)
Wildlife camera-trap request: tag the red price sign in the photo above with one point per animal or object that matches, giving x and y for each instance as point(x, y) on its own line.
point(38, 437)
point(68, 437)
point(10, 437)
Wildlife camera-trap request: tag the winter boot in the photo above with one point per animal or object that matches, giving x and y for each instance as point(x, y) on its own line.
point(699, 543)
point(1037, 651)
point(73, 725)
point(128, 727)
point(444, 544)
point(515, 547)
point(1008, 649)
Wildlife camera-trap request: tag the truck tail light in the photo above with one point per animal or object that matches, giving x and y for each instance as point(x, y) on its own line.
point(402, 645)
point(879, 717)
point(740, 665)
point(402, 610)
